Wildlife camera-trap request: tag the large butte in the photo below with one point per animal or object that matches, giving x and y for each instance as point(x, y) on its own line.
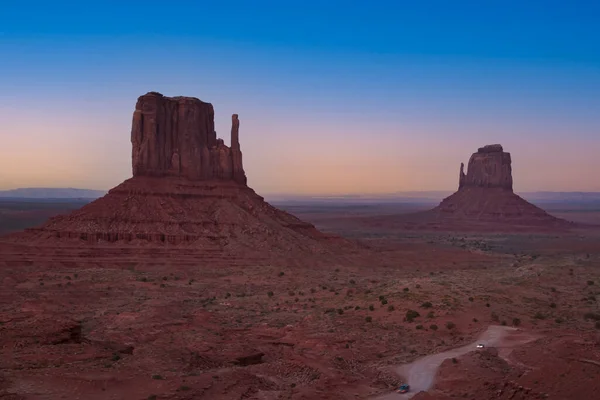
point(188, 189)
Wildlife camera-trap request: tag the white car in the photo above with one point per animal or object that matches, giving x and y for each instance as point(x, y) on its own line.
point(480, 346)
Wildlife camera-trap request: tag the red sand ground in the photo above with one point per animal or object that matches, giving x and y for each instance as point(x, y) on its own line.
point(118, 321)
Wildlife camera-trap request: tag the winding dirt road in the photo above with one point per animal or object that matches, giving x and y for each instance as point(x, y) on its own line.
point(420, 374)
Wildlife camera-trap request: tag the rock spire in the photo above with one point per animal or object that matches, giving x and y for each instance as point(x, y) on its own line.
point(489, 167)
point(175, 136)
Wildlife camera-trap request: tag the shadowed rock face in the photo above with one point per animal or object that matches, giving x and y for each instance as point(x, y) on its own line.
point(175, 136)
point(490, 167)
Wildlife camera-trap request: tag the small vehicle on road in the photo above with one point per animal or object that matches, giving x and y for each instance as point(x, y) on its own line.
point(480, 345)
point(403, 388)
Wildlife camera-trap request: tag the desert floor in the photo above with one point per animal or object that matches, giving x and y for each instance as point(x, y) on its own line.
point(73, 328)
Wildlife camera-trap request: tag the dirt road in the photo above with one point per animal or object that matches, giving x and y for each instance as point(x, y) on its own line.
point(420, 375)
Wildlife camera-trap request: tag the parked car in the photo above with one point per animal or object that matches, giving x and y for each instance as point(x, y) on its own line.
point(403, 388)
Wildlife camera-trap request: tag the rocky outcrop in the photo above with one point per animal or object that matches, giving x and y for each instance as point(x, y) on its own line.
point(490, 167)
point(188, 189)
point(175, 136)
point(484, 202)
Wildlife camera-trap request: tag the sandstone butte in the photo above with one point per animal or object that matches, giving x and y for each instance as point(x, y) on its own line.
point(189, 190)
point(484, 201)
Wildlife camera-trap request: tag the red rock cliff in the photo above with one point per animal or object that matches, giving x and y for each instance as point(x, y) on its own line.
point(490, 167)
point(175, 136)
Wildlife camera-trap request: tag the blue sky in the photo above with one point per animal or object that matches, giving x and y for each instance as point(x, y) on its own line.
point(333, 96)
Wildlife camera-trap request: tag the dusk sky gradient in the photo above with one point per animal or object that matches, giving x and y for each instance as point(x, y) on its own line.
point(333, 96)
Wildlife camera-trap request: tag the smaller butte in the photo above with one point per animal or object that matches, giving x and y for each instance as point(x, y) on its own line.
point(484, 201)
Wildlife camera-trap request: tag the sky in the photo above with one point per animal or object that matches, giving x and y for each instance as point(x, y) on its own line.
point(333, 97)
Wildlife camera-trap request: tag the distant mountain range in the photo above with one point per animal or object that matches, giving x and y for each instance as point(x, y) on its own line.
point(51, 193)
point(432, 197)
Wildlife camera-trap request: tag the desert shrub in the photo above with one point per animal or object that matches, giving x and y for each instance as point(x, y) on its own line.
point(165, 278)
point(313, 290)
point(68, 277)
point(162, 285)
point(184, 388)
point(152, 397)
point(471, 299)
point(516, 321)
point(329, 310)
point(281, 273)
point(553, 289)
point(590, 283)
point(270, 294)
point(411, 315)
point(558, 320)
point(390, 308)
point(418, 286)
point(384, 302)
point(381, 298)
point(419, 327)
point(552, 305)
point(494, 316)
point(116, 357)
point(487, 304)
point(503, 323)
point(433, 327)
point(371, 307)
point(430, 314)
point(157, 377)
point(454, 360)
point(539, 315)
point(340, 311)
point(357, 308)
point(427, 304)
point(292, 293)
point(352, 281)
point(405, 289)
point(591, 315)
point(368, 319)
point(450, 325)
point(597, 325)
